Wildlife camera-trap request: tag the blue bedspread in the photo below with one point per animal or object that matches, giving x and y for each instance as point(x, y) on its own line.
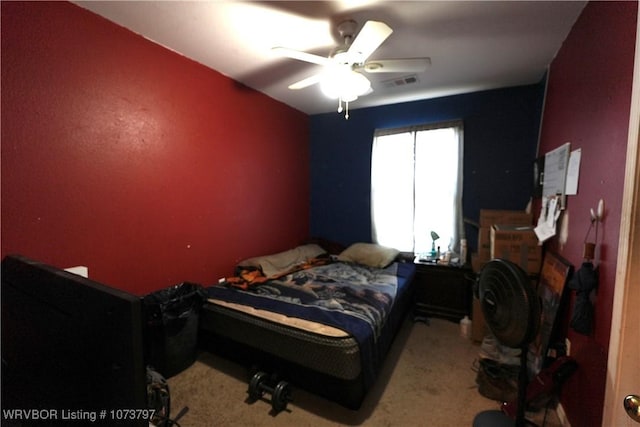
point(351, 297)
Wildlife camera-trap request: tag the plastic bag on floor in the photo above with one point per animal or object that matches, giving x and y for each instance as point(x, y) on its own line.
point(497, 381)
point(492, 349)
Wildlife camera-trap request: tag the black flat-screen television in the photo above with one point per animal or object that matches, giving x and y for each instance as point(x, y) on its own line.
point(72, 349)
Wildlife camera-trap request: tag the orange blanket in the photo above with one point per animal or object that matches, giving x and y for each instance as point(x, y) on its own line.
point(248, 277)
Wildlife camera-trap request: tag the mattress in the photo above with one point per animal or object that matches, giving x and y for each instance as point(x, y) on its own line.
point(312, 342)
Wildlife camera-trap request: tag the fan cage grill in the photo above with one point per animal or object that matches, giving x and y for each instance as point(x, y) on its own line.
point(509, 303)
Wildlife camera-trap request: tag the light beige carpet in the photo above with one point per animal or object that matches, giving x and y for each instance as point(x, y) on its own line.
point(428, 380)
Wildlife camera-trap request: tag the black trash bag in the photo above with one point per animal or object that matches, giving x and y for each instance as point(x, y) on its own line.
point(584, 281)
point(171, 327)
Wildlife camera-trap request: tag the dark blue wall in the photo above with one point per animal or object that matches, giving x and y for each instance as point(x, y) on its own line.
point(500, 144)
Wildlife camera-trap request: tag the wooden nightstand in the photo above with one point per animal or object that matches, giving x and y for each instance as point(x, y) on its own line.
point(443, 291)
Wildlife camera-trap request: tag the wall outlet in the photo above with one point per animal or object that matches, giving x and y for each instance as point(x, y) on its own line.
point(567, 345)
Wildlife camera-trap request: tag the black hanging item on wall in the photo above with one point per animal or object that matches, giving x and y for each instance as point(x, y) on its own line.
point(583, 282)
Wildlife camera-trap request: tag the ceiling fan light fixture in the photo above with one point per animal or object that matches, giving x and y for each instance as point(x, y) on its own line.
point(345, 84)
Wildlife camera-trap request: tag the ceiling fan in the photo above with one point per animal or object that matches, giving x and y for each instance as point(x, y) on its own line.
point(342, 76)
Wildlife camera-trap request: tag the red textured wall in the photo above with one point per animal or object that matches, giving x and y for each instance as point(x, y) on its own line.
point(588, 104)
point(146, 167)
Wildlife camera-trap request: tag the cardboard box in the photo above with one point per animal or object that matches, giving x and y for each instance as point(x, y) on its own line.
point(476, 262)
point(518, 245)
point(484, 244)
point(489, 217)
point(479, 328)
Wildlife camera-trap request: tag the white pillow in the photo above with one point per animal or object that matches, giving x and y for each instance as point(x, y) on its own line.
point(369, 254)
point(275, 264)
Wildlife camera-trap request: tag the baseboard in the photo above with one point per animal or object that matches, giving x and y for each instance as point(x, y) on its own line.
point(562, 416)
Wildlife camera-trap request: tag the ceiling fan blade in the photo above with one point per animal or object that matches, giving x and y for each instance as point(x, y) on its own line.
point(410, 65)
point(306, 82)
point(370, 37)
point(301, 56)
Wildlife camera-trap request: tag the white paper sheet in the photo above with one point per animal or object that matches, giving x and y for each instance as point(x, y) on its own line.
point(573, 172)
point(555, 170)
point(547, 221)
point(79, 270)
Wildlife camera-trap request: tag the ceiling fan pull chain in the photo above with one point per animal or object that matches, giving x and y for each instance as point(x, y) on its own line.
point(339, 105)
point(346, 114)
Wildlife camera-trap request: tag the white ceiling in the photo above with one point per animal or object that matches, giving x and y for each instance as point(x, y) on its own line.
point(473, 45)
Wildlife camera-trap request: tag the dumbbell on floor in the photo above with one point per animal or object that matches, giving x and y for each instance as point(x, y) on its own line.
point(280, 394)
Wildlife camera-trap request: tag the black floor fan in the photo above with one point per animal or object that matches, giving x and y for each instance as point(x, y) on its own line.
point(512, 312)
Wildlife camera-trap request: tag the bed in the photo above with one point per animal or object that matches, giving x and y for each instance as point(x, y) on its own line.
point(322, 321)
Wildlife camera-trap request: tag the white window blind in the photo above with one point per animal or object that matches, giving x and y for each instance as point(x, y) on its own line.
point(416, 187)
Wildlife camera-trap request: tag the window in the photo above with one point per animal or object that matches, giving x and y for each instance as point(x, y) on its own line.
point(416, 187)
